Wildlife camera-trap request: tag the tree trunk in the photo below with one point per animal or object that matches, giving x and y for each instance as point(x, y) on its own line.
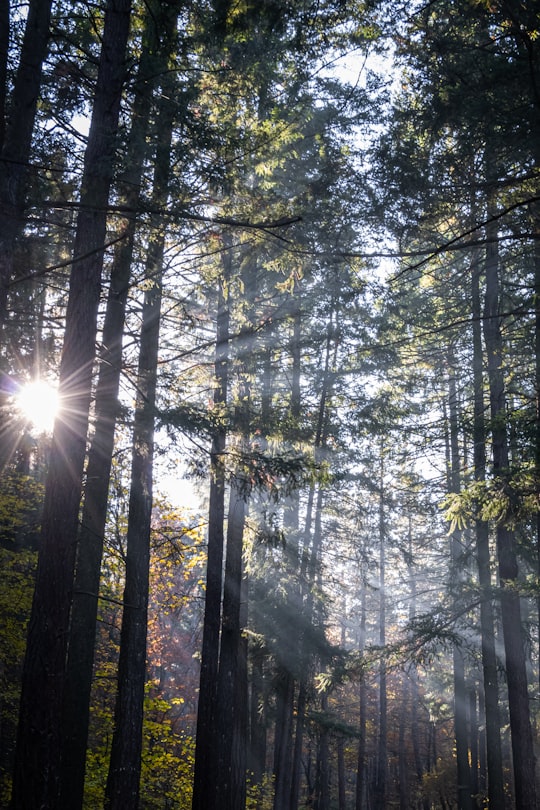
point(94, 515)
point(361, 759)
point(382, 749)
point(292, 518)
point(494, 765)
point(287, 780)
point(122, 788)
point(456, 554)
point(230, 784)
point(240, 739)
point(421, 765)
point(516, 673)
point(536, 298)
point(4, 51)
point(205, 749)
point(37, 764)
point(16, 131)
point(322, 778)
point(282, 738)
point(474, 728)
point(257, 723)
point(310, 556)
point(342, 800)
point(403, 774)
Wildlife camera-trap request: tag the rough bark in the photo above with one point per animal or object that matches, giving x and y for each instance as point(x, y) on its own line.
point(17, 128)
point(257, 722)
point(403, 771)
point(282, 738)
point(342, 793)
point(515, 658)
point(231, 716)
point(536, 294)
point(494, 765)
point(290, 792)
point(464, 789)
point(382, 748)
point(322, 778)
point(4, 49)
point(76, 712)
point(37, 766)
point(203, 788)
point(309, 562)
point(122, 788)
point(230, 784)
point(361, 758)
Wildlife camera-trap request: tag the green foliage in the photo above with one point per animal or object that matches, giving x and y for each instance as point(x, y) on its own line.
point(507, 501)
point(21, 498)
point(167, 758)
point(260, 797)
point(16, 589)
point(167, 761)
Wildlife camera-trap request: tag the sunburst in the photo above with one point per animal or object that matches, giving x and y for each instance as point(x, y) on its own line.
point(38, 403)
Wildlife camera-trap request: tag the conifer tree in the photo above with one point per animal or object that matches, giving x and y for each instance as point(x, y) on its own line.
point(93, 521)
point(16, 128)
point(126, 747)
point(37, 765)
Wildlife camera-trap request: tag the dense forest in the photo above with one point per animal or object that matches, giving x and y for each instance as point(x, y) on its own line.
point(270, 404)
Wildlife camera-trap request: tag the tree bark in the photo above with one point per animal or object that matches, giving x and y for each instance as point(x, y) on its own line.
point(4, 51)
point(494, 764)
point(16, 132)
point(122, 788)
point(536, 298)
point(90, 542)
point(361, 758)
point(382, 748)
point(473, 725)
point(515, 659)
point(309, 558)
point(403, 774)
point(257, 723)
point(342, 795)
point(37, 764)
point(205, 749)
point(229, 783)
point(289, 793)
point(282, 739)
point(456, 554)
point(322, 778)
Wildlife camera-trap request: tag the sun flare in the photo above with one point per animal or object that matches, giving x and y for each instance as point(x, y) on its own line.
point(38, 403)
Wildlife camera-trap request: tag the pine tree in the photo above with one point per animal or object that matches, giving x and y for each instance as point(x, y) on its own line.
point(37, 765)
point(126, 747)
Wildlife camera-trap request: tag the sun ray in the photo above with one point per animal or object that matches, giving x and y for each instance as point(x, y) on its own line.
point(38, 402)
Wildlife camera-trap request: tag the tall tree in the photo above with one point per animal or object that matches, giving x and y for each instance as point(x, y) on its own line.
point(37, 765)
point(515, 658)
point(465, 794)
point(381, 786)
point(205, 752)
point(489, 656)
point(125, 763)
point(16, 131)
point(153, 62)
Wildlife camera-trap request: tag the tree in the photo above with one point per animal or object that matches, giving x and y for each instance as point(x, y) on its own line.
point(333, 275)
point(17, 124)
point(205, 750)
point(37, 765)
point(94, 515)
point(515, 661)
point(125, 763)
